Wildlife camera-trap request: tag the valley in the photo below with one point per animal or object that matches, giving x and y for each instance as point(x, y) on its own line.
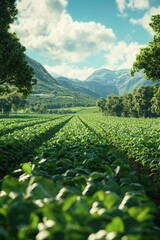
point(65, 92)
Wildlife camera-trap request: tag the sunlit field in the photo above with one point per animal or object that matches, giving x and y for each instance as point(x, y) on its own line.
point(79, 176)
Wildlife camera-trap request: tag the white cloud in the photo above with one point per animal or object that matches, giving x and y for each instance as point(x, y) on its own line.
point(121, 5)
point(132, 4)
point(49, 29)
point(70, 71)
point(145, 20)
point(122, 55)
point(138, 4)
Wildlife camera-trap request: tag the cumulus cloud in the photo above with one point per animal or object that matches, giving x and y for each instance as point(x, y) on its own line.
point(132, 4)
point(122, 55)
point(70, 71)
point(46, 26)
point(121, 4)
point(136, 4)
point(145, 20)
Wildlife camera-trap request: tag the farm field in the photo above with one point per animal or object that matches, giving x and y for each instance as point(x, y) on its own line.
point(79, 176)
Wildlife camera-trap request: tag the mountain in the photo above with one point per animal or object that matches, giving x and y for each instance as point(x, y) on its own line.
point(65, 92)
point(77, 86)
point(54, 94)
point(45, 82)
point(103, 76)
point(96, 87)
point(104, 82)
point(126, 83)
point(103, 89)
point(120, 79)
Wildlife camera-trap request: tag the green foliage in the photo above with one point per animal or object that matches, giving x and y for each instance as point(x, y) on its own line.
point(63, 99)
point(148, 58)
point(139, 138)
point(101, 103)
point(12, 100)
point(18, 141)
point(49, 92)
point(77, 185)
point(8, 13)
point(5, 106)
point(128, 106)
point(156, 102)
point(143, 102)
point(40, 108)
point(14, 70)
point(114, 105)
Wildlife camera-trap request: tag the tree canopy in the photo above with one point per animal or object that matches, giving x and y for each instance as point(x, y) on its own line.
point(14, 70)
point(143, 102)
point(148, 59)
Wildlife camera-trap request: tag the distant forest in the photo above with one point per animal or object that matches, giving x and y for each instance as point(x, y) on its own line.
point(143, 102)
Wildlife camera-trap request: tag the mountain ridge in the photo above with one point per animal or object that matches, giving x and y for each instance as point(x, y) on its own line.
point(50, 92)
point(105, 81)
point(120, 78)
point(63, 91)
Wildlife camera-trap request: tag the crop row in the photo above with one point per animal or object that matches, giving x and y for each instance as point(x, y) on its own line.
point(11, 120)
point(14, 146)
point(76, 187)
point(11, 127)
point(139, 138)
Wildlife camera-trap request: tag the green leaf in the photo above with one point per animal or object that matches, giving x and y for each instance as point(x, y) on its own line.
point(11, 184)
point(116, 225)
point(40, 188)
point(69, 202)
point(27, 168)
point(96, 175)
point(140, 213)
point(109, 199)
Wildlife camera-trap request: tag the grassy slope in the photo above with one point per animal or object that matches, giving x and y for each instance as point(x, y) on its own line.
point(48, 91)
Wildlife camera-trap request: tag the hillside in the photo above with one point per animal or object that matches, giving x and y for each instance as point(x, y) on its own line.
point(50, 92)
point(120, 79)
point(64, 92)
point(76, 86)
point(104, 82)
point(94, 88)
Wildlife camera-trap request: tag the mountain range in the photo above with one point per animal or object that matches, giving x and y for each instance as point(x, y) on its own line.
point(65, 92)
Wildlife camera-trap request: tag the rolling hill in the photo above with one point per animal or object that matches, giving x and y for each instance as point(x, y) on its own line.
point(104, 82)
point(52, 93)
point(77, 86)
point(65, 92)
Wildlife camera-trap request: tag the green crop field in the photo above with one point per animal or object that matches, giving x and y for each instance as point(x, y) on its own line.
point(80, 176)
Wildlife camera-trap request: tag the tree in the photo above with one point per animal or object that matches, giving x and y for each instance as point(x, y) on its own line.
point(17, 100)
point(142, 100)
point(156, 102)
point(127, 104)
point(114, 105)
point(5, 105)
point(40, 108)
point(12, 100)
point(148, 59)
point(14, 70)
point(101, 103)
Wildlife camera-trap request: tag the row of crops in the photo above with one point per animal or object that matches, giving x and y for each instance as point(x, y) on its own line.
point(139, 138)
point(17, 145)
point(72, 180)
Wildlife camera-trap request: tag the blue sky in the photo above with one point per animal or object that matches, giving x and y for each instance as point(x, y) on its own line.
point(73, 38)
